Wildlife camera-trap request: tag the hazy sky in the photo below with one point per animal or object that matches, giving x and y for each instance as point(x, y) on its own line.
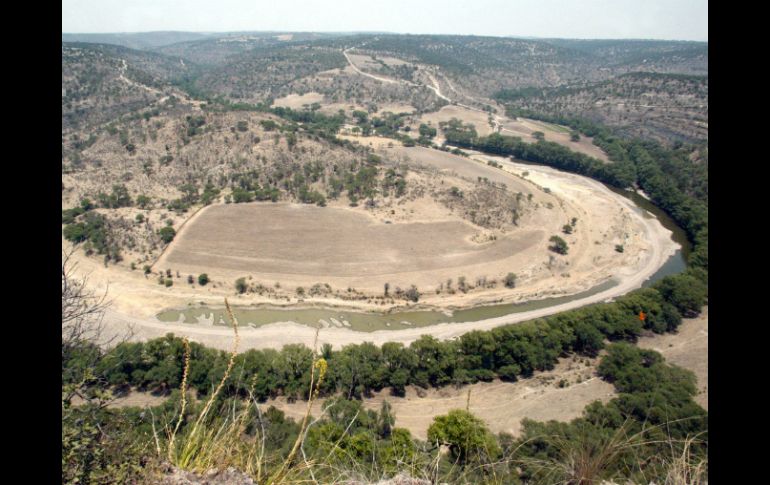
point(595, 19)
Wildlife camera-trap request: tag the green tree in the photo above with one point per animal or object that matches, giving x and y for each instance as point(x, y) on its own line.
point(685, 292)
point(467, 436)
point(427, 131)
point(385, 420)
point(167, 234)
point(203, 279)
point(559, 245)
point(143, 201)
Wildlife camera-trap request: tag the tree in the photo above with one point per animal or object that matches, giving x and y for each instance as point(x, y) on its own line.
point(82, 310)
point(510, 280)
point(360, 116)
point(240, 285)
point(167, 234)
point(566, 229)
point(466, 435)
point(461, 285)
point(435, 361)
point(385, 420)
point(190, 191)
point(559, 245)
point(143, 201)
point(75, 232)
point(685, 292)
point(427, 131)
point(203, 279)
point(412, 294)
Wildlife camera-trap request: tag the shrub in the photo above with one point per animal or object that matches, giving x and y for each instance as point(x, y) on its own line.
point(203, 279)
point(467, 436)
point(510, 280)
point(559, 245)
point(167, 234)
point(240, 285)
point(168, 282)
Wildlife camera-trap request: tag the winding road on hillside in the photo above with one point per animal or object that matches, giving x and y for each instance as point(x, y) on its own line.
point(436, 88)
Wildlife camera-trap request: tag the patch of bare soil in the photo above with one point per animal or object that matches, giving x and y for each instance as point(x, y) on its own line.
point(298, 244)
point(525, 128)
point(297, 101)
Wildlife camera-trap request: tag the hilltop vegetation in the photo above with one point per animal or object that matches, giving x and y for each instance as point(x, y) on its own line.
point(661, 107)
point(268, 73)
point(588, 76)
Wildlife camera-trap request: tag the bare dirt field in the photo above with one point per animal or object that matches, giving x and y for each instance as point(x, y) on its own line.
point(371, 141)
point(524, 128)
point(521, 127)
point(479, 119)
point(302, 245)
point(296, 101)
point(687, 348)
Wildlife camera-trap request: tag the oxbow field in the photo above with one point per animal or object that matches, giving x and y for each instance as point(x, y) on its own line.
point(327, 257)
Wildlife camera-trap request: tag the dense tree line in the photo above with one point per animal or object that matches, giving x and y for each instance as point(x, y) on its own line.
point(507, 352)
point(620, 173)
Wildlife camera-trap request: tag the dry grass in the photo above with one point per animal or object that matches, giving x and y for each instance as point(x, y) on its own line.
point(210, 443)
point(586, 459)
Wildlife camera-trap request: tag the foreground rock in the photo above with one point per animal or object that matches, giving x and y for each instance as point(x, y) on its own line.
point(231, 476)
